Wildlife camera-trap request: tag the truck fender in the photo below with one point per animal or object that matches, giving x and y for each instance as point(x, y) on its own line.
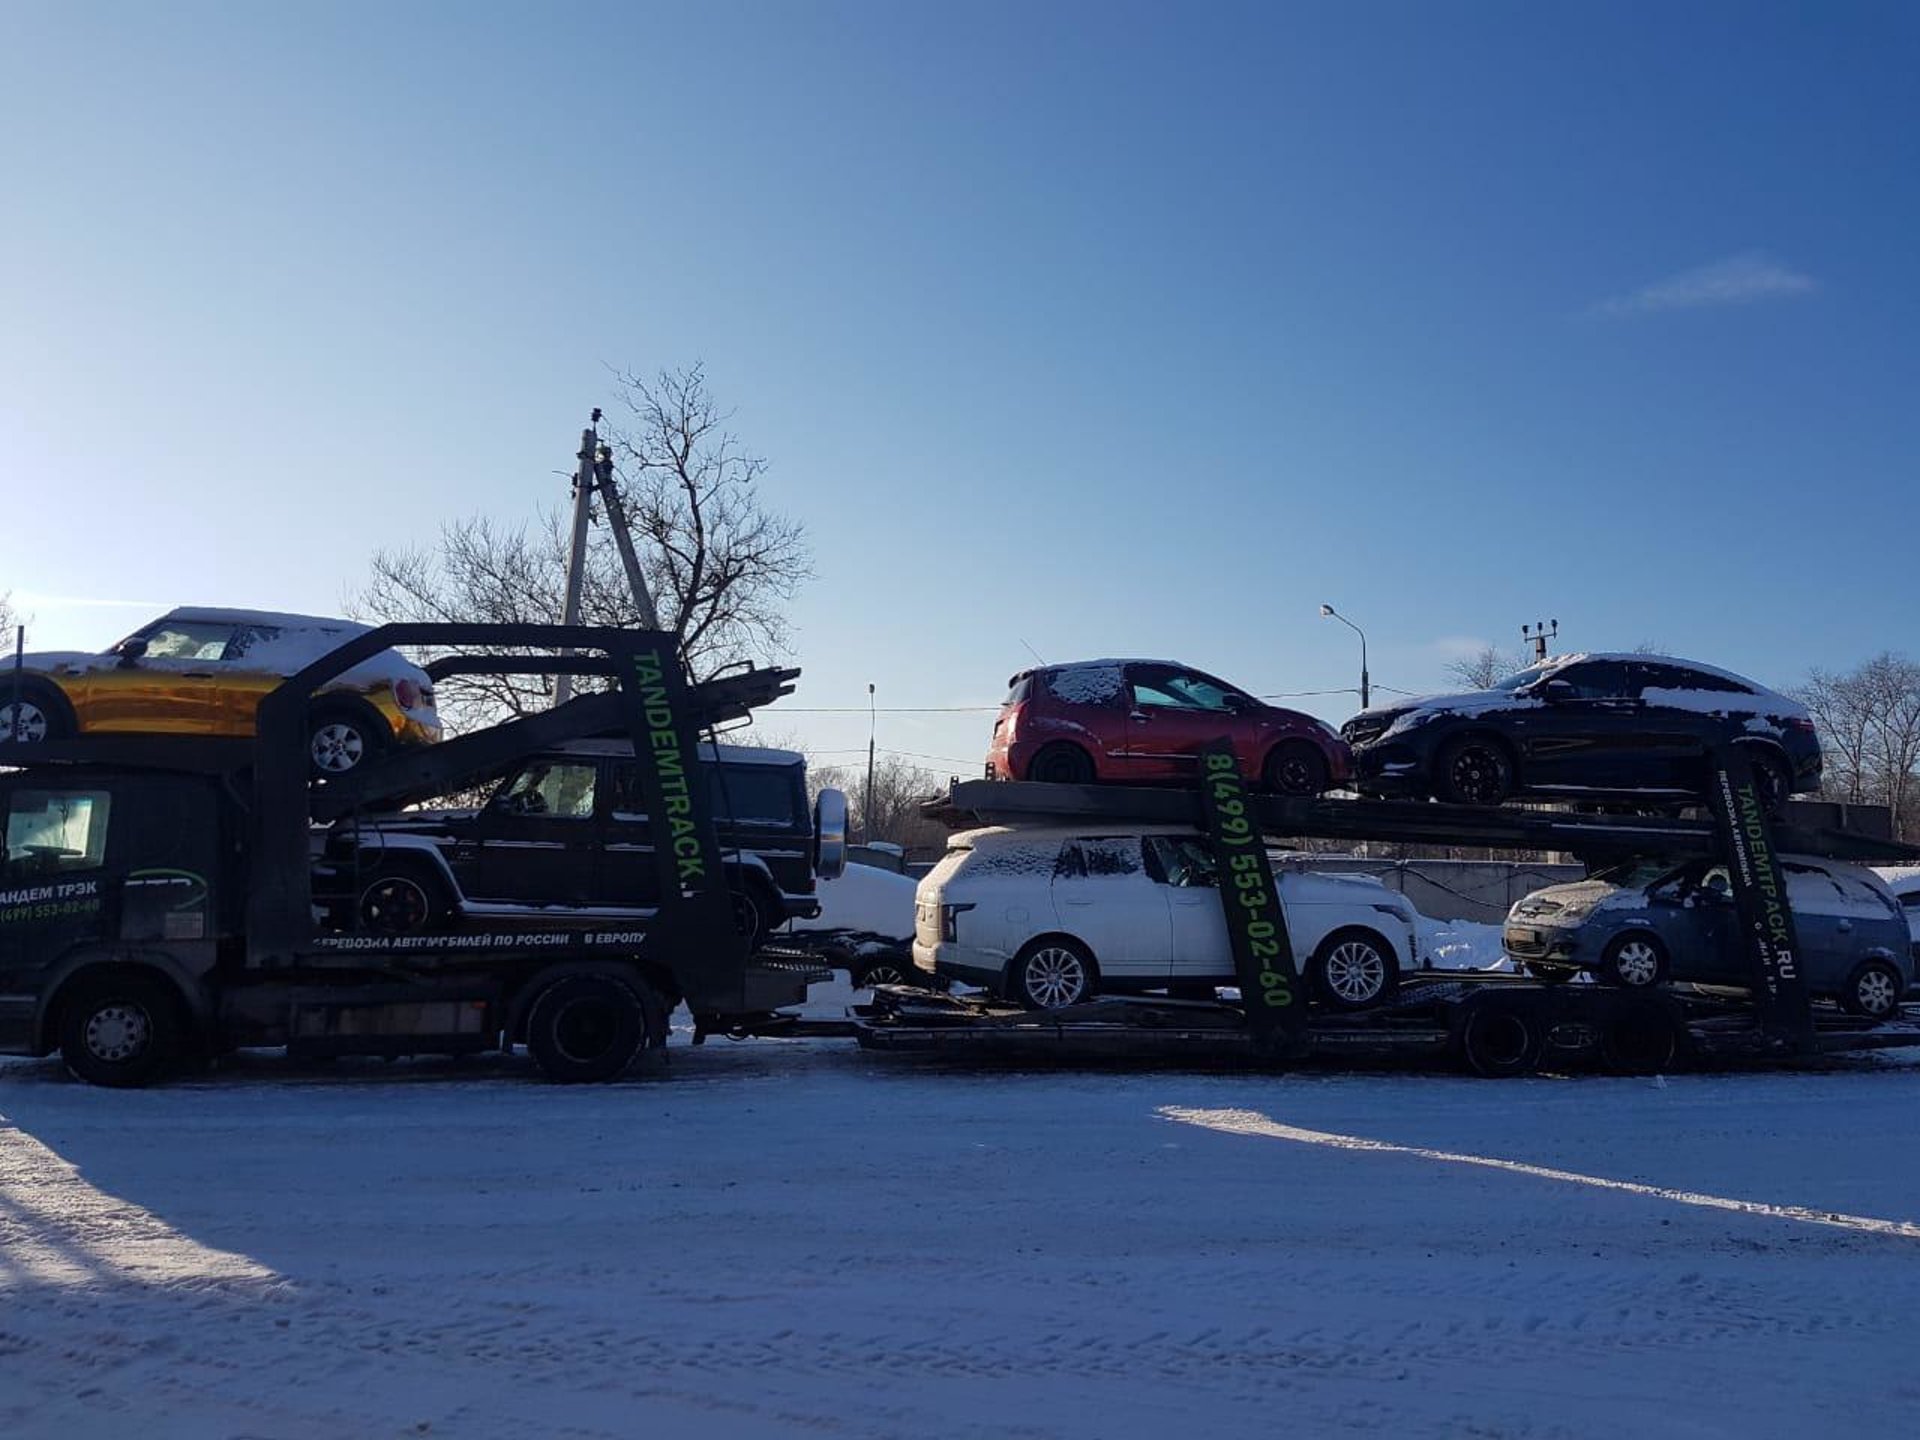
point(191, 984)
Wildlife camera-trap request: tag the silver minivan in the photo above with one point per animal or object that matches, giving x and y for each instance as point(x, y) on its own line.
point(1649, 921)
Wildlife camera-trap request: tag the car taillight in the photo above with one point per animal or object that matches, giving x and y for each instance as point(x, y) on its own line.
point(406, 694)
point(950, 922)
point(1806, 727)
point(1009, 722)
point(426, 697)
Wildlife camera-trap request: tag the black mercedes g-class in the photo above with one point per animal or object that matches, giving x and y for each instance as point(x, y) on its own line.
point(566, 831)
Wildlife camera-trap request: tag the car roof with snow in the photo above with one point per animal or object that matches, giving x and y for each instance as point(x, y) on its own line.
point(1558, 662)
point(219, 615)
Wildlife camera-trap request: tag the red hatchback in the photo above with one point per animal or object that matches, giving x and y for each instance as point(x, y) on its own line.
point(1141, 721)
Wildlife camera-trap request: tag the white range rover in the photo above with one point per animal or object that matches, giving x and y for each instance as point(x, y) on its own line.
point(1048, 917)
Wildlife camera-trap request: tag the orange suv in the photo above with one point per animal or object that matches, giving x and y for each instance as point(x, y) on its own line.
point(198, 671)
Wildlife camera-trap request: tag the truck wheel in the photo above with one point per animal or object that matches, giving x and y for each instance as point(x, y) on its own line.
point(1873, 991)
point(1639, 1040)
point(1499, 1041)
point(121, 1030)
point(1353, 969)
point(586, 1028)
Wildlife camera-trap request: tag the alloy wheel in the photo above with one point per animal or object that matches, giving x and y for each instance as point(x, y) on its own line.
point(1637, 963)
point(1876, 993)
point(25, 720)
point(394, 905)
point(1355, 971)
point(337, 747)
point(117, 1032)
point(1476, 775)
point(1053, 977)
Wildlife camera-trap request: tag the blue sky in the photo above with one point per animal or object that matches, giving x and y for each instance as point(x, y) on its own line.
point(1102, 328)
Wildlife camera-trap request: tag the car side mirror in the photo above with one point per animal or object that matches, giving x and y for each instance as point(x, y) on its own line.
point(1555, 690)
point(130, 652)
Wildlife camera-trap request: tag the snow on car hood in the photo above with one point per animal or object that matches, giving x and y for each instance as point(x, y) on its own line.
point(1404, 713)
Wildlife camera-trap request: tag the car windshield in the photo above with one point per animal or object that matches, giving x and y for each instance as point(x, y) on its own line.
point(1634, 874)
point(1520, 679)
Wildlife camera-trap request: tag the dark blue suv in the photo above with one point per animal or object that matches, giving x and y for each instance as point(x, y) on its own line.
point(1601, 727)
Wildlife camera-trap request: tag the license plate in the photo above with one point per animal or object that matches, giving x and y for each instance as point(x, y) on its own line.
point(1524, 937)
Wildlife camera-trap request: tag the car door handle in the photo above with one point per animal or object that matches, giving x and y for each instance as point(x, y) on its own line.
point(1846, 926)
point(197, 675)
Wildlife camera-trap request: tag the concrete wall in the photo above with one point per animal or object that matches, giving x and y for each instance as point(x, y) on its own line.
point(1482, 890)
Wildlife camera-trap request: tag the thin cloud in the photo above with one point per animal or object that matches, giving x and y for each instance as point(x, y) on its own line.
point(1737, 280)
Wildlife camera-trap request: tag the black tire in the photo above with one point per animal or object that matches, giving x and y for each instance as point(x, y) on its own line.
point(400, 902)
point(122, 1030)
point(1474, 770)
point(1547, 973)
point(1874, 990)
point(1771, 777)
point(1641, 1039)
point(1633, 960)
point(1052, 973)
point(753, 914)
point(1297, 768)
point(1354, 969)
point(44, 713)
point(1061, 763)
point(340, 738)
point(587, 1028)
point(1499, 1041)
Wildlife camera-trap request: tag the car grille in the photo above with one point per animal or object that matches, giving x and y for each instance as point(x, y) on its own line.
point(1364, 729)
point(1535, 909)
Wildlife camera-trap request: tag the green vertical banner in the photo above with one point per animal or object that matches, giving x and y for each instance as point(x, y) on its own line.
point(1271, 990)
point(1765, 934)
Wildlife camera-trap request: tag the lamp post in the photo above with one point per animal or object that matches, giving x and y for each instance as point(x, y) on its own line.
point(1327, 612)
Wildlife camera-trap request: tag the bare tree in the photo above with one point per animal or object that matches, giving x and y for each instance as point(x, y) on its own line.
point(1486, 665)
point(721, 565)
point(899, 788)
point(7, 619)
point(1869, 723)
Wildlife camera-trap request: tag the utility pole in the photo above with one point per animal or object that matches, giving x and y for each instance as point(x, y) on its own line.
point(866, 820)
point(594, 471)
point(623, 537)
point(577, 554)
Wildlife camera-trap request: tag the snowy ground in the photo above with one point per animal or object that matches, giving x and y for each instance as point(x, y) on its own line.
point(801, 1240)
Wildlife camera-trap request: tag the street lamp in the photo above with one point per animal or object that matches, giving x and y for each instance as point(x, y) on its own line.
point(1327, 612)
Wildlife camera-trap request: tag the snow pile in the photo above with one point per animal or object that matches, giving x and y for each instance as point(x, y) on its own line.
point(864, 901)
point(1462, 945)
